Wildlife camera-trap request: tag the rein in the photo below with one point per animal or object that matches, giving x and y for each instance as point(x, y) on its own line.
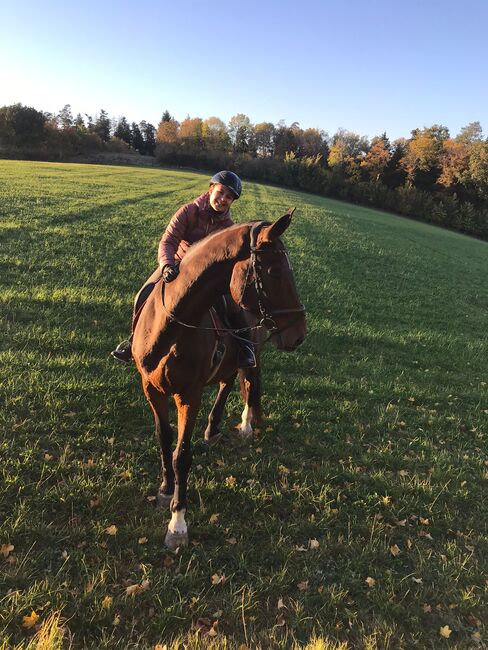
point(267, 321)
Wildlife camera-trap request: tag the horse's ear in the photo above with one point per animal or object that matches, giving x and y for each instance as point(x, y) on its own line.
point(279, 226)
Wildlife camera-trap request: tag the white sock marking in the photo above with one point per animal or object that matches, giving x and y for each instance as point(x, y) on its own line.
point(178, 523)
point(246, 428)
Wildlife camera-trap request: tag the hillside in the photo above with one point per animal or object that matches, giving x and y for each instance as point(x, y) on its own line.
point(374, 443)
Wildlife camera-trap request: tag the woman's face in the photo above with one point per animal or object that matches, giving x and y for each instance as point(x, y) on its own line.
point(220, 197)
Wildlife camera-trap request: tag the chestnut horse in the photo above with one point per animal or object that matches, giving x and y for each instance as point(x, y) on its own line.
point(174, 345)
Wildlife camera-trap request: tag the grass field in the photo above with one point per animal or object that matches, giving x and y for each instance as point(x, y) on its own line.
point(356, 516)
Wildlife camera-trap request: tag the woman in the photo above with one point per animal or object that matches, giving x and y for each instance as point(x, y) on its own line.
point(192, 222)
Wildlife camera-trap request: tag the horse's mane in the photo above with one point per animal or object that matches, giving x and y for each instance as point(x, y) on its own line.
point(217, 247)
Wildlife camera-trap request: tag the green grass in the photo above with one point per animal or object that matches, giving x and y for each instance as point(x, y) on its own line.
point(375, 433)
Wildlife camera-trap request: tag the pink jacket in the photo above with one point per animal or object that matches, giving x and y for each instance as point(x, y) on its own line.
point(189, 224)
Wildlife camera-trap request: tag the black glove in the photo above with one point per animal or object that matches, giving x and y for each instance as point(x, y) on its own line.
point(170, 272)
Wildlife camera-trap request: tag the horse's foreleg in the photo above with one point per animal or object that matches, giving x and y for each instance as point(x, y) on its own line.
point(164, 433)
point(212, 433)
point(250, 380)
point(188, 406)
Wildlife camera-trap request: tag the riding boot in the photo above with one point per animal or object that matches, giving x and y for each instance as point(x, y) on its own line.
point(123, 352)
point(247, 357)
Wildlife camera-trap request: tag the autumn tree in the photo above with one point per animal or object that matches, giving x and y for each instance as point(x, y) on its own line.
point(168, 131)
point(191, 136)
point(377, 158)
point(347, 152)
point(214, 133)
point(264, 134)
point(421, 161)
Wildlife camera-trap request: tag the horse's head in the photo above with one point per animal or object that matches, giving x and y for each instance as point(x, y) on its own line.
point(264, 285)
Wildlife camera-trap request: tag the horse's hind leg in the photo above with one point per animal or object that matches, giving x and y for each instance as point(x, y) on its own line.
point(164, 433)
point(250, 380)
point(212, 433)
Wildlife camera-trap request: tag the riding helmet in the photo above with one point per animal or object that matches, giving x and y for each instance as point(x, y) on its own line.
point(230, 180)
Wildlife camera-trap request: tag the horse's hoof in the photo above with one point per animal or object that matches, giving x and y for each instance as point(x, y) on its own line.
point(173, 540)
point(212, 440)
point(244, 432)
point(163, 500)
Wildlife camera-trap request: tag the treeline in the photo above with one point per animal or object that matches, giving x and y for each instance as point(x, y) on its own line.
point(430, 176)
point(28, 133)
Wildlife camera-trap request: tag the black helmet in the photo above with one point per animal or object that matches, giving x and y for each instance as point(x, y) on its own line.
point(230, 180)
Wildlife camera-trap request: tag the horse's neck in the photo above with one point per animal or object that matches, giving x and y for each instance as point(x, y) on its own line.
point(205, 275)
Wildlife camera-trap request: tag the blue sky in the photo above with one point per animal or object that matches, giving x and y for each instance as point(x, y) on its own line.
point(365, 65)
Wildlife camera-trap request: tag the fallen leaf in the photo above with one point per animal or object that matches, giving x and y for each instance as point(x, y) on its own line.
point(6, 549)
point(403, 522)
point(395, 550)
point(151, 499)
point(445, 631)
point(111, 530)
point(107, 602)
point(168, 561)
point(94, 503)
point(423, 533)
point(133, 590)
point(30, 621)
point(217, 614)
point(403, 473)
point(231, 540)
point(158, 646)
point(417, 580)
point(230, 481)
point(423, 521)
point(214, 518)
point(116, 620)
point(303, 586)
point(280, 604)
point(314, 543)
point(220, 462)
point(48, 457)
point(218, 579)
point(427, 608)
point(280, 621)
point(300, 549)
point(370, 582)
point(142, 540)
point(386, 500)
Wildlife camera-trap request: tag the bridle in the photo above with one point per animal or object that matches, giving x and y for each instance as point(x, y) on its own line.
point(267, 314)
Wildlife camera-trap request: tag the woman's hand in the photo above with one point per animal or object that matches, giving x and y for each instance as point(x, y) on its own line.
point(170, 272)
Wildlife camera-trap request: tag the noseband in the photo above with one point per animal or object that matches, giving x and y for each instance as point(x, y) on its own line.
point(267, 314)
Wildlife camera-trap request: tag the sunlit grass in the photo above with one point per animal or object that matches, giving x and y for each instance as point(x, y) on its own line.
point(375, 436)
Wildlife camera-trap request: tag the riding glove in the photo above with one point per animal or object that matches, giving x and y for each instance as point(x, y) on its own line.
point(170, 272)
